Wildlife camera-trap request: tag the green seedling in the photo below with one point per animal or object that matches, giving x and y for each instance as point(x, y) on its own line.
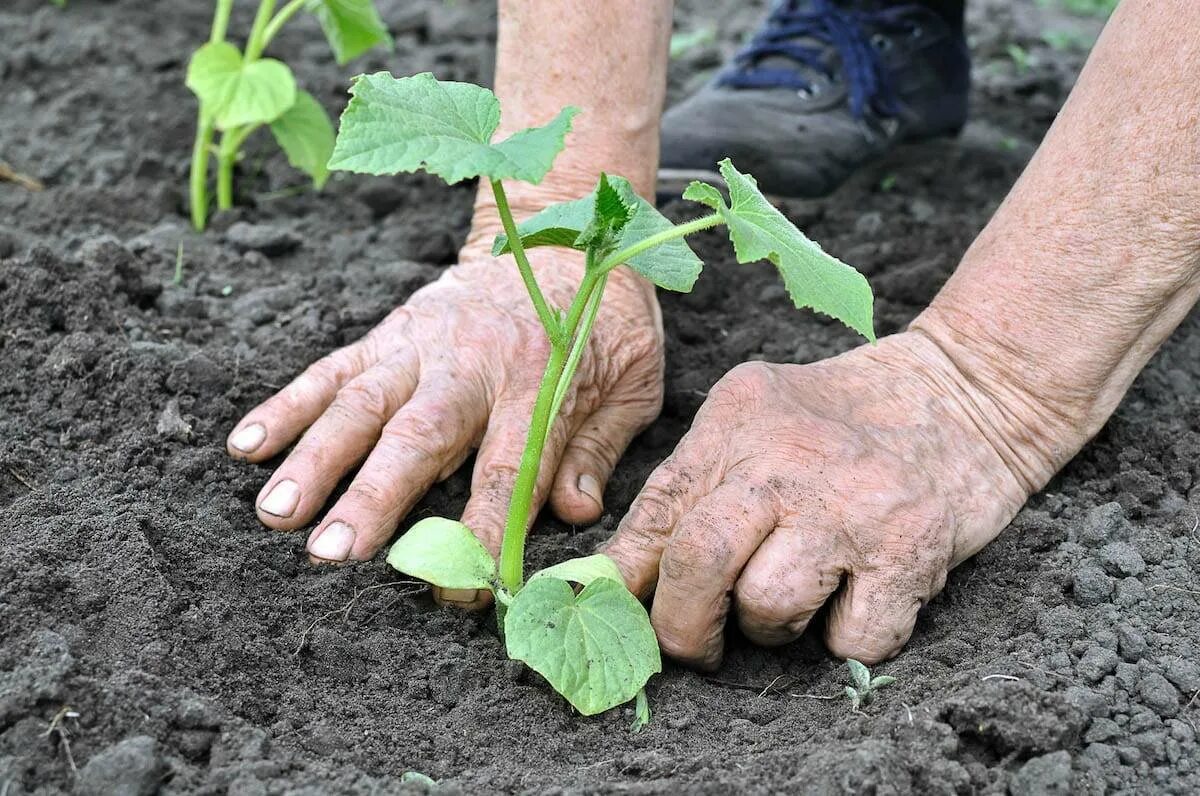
point(684, 42)
point(240, 91)
point(574, 623)
point(863, 686)
point(1020, 57)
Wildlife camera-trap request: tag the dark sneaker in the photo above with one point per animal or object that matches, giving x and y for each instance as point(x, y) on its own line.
point(823, 88)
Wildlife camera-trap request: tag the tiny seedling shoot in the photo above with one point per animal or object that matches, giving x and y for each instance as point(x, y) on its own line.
point(595, 646)
point(862, 691)
point(240, 91)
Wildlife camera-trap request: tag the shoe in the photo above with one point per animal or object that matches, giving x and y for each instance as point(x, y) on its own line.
point(823, 88)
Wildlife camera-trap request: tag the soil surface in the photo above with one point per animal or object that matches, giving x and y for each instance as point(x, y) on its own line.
point(153, 635)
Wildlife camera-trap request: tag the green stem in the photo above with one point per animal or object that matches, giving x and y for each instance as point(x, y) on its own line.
point(578, 346)
point(623, 256)
point(520, 507)
point(255, 44)
point(545, 315)
point(231, 144)
point(198, 182)
point(220, 21)
point(280, 19)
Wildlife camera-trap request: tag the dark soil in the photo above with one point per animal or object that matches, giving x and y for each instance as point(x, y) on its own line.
point(201, 653)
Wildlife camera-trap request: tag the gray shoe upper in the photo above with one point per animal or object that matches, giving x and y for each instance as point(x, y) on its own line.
point(804, 138)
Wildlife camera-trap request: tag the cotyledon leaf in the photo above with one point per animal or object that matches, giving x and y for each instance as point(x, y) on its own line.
point(813, 278)
point(234, 93)
point(394, 125)
point(596, 648)
point(582, 570)
point(671, 265)
point(445, 553)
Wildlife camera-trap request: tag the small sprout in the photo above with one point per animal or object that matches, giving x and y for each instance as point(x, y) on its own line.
point(177, 280)
point(862, 691)
point(1009, 143)
point(227, 290)
point(575, 623)
point(1020, 57)
point(240, 92)
point(684, 42)
point(888, 183)
point(417, 778)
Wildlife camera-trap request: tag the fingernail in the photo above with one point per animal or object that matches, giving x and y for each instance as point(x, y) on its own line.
point(282, 500)
point(589, 486)
point(249, 438)
point(465, 596)
point(333, 543)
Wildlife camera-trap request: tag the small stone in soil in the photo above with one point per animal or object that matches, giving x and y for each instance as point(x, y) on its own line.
point(1121, 559)
point(133, 767)
point(1043, 775)
point(1157, 693)
point(1096, 663)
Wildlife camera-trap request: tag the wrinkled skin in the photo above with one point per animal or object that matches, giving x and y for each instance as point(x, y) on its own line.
point(862, 479)
point(454, 369)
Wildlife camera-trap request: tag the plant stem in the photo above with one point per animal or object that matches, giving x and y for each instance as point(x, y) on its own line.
point(545, 315)
point(280, 19)
point(231, 144)
point(255, 44)
point(198, 182)
point(622, 256)
point(220, 20)
point(592, 308)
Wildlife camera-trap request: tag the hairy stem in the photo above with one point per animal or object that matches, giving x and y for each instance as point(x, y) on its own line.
point(231, 144)
point(545, 315)
point(279, 20)
point(255, 44)
point(520, 507)
point(592, 308)
point(623, 256)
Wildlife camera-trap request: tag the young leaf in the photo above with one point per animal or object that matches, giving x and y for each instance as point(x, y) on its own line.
point(855, 697)
point(641, 713)
point(671, 265)
point(305, 134)
point(760, 232)
point(410, 123)
point(351, 26)
point(445, 553)
point(582, 570)
point(882, 681)
point(596, 648)
point(860, 675)
point(610, 214)
point(233, 93)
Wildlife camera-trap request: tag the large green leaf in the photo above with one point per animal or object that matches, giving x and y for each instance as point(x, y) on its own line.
point(760, 232)
point(445, 553)
point(582, 570)
point(305, 134)
point(234, 93)
point(596, 648)
point(352, 26)
point(405, 124)
point(671, 265)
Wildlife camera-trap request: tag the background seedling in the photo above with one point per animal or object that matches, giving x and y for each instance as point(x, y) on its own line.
point(595, 646)
point(862, 690)
point(240, 91)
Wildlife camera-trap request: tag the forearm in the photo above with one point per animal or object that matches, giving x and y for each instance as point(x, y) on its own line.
point(609, 60)
point(1094, 257)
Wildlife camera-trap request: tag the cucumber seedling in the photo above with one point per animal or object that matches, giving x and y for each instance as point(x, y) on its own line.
point(241, 91)
point(595, 646)
point(862, 691)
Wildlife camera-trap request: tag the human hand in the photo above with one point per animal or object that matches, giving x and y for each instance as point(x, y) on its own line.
point(456, 368)
point(863, 478)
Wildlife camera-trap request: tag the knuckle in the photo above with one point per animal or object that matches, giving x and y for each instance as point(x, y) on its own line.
point(603, 448)
point(759, 604)
point(374, 497)
point(427, 432)
point(365, 398)
point(742, 388)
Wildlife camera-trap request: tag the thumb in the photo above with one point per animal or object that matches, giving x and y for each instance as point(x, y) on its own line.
point(577, 495)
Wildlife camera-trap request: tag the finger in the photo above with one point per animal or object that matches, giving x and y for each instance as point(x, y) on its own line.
point(789, 577)
point(700, 564)
point(422, 443)
point(577, 495)
point(274, 424)
point(339, 439)
point(689, 473)
point(873, 617)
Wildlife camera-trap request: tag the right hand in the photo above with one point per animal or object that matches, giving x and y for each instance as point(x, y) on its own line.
point(456, 368)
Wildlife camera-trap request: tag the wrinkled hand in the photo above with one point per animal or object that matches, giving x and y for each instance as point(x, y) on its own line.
point(454, 369)
point(863, 478)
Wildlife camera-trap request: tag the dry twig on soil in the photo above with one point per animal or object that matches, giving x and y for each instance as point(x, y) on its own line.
point(349, 606)
point(9, 174)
